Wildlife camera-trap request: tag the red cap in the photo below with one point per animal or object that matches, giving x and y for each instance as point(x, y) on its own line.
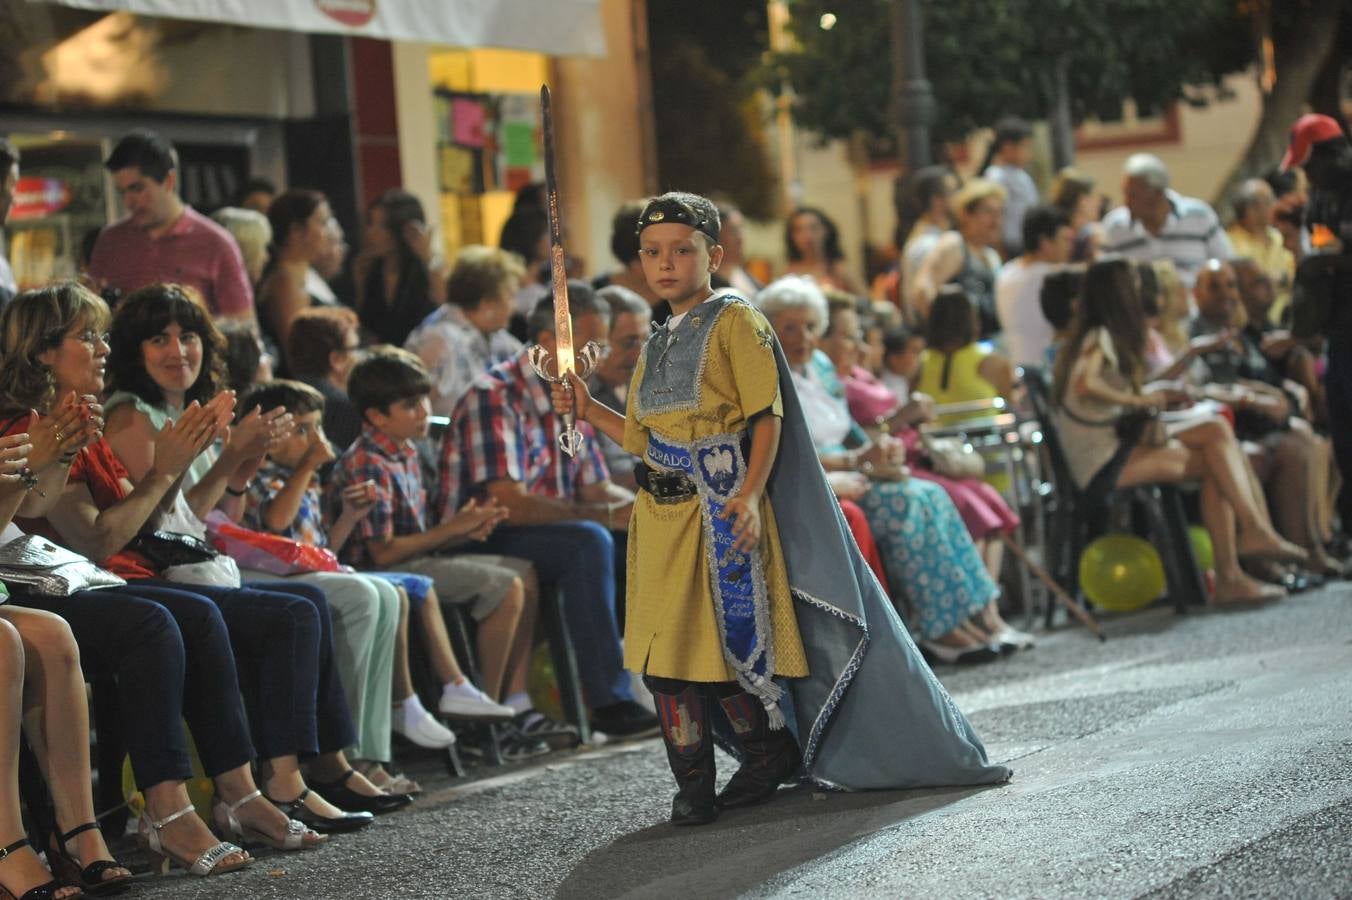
point(1309, 130)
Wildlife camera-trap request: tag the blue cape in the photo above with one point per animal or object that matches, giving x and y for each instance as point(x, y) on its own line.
point(871, 714)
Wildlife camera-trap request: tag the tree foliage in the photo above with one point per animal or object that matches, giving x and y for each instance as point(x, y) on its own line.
point(990, 58)
point(710, 133)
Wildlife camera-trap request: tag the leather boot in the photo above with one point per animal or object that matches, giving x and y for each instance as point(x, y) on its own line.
point(690, 751)
point(770, 757)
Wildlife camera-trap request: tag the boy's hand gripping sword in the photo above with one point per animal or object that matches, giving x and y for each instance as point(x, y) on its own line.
point(570, 440)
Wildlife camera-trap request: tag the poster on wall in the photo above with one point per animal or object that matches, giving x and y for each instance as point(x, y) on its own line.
point(487, 142)
point(60, 202)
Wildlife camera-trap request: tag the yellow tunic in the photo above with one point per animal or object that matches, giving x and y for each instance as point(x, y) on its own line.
point(670, 625)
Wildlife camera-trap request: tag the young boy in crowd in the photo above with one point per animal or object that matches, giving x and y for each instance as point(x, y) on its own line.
point(285, 499)
point(390, 389)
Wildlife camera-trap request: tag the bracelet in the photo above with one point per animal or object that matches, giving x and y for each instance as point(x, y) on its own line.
point(237, 493)
point(30, 481)
point(610, 517)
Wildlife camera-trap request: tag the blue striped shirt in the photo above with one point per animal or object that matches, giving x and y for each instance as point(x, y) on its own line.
point(1191, 235)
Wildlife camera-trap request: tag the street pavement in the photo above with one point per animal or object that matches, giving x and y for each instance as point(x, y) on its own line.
point(1196, 756)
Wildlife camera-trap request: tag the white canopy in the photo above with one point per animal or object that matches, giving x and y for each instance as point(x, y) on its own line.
point(555, 27)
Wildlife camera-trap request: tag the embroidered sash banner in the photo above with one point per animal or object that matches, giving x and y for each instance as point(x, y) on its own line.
point(737, 579)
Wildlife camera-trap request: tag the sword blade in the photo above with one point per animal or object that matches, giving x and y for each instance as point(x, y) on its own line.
point(563, 323)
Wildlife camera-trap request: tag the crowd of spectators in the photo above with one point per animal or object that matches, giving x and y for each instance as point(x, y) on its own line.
point(144, 406)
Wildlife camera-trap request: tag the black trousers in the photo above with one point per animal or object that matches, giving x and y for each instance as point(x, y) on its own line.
point(192, 651)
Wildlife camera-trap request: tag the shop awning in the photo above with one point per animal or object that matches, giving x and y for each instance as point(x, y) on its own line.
point(555, 27)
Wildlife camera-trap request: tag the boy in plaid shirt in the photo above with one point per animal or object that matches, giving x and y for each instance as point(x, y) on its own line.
point(285, 499)
point(390, 389)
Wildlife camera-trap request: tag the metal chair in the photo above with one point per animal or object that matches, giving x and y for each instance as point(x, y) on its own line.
point(1078, 515)
point(997, 433)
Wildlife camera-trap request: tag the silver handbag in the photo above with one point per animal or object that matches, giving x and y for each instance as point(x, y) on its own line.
point(36, 565)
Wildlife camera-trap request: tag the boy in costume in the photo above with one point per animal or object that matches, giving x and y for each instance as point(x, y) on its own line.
point(771, 624)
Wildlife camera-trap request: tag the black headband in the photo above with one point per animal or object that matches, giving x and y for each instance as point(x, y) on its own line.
point(663, 210)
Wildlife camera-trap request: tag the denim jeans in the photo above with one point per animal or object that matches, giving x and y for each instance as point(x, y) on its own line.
point(578, 559)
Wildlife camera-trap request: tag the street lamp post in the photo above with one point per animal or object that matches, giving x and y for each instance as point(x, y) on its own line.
point(912, 96)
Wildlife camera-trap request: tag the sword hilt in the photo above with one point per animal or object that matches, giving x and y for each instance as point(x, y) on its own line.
point(570, 439)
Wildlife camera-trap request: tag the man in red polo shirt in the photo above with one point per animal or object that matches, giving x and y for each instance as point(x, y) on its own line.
point(161, 239)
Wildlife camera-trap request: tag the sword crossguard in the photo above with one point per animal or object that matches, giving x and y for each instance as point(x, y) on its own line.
point(570, 439)
point(584, 362)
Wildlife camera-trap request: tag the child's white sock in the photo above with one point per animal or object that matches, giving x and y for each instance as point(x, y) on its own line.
point(462, 688)
point(411, 709)
point(519, 702)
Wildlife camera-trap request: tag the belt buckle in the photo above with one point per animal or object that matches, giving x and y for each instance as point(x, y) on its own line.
point(670, 487)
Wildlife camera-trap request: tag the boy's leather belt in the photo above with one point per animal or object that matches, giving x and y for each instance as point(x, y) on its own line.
point(665, 487)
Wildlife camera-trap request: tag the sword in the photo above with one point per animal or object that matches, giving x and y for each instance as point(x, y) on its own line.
point(570, 440)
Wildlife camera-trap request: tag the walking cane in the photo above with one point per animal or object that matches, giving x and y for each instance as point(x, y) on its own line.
point(1057, 591)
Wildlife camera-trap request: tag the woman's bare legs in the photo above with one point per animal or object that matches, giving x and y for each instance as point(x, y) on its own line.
point(21, 870)
point(1178, 462)
point(1221, 460)
point(992, 551)
point(56, 720)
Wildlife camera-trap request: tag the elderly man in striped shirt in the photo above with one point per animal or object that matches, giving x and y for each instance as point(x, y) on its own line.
point(1157, 222)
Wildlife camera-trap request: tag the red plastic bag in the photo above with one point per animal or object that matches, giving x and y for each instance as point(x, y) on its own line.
point(269, 553)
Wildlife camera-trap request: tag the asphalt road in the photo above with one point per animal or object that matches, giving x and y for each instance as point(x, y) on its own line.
point(1196, 756)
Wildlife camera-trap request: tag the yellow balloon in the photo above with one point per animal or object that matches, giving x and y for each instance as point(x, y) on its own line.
point(1202, 550)
point(201, 789)
point(1121, 572)
point(543, 686)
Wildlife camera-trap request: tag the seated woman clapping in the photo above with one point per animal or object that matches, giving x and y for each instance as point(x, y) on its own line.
point(167, 355)
point(54, 347)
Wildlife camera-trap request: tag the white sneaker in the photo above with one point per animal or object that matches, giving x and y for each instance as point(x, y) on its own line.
point(1012, 637)
point(468, 702)
point(424, 730)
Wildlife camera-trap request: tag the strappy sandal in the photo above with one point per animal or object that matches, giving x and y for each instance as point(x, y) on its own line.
point(297, 837)
point(66, 867)
point(210, 862)
point(41, 892)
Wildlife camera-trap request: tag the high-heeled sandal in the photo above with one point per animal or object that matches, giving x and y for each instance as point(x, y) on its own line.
point(41, 892)
point(296, 809)
point(87, 878)
point(229, 825)
point(210, 862)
